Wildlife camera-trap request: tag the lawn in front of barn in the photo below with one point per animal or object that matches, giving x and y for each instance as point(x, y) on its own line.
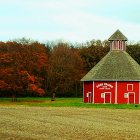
point(62, 102)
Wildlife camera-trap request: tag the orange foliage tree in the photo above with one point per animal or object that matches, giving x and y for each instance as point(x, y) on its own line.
point(23, 65)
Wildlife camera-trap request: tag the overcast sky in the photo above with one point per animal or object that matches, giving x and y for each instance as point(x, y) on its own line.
point(71, 20)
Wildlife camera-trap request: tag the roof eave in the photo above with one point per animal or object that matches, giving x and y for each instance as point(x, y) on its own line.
point(119, 80)
point(117, 39)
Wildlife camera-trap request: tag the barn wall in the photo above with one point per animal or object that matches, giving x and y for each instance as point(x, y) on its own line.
point(88, 92)
point(127, 91)
point(121, 92)
point(103, 91)
point(139, 92)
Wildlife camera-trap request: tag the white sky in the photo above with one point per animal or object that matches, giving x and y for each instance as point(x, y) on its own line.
point(71, 20)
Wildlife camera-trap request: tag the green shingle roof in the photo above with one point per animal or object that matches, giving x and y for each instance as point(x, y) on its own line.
point(115, 66)
point(117, 36)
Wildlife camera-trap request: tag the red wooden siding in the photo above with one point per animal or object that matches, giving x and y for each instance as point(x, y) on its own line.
point(111, 92)
point(128, 92)
point(104, 92)
point(88, 92)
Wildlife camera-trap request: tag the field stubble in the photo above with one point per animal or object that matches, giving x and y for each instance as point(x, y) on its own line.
point(68, 123)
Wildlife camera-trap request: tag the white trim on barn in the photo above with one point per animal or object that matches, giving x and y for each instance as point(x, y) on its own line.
point(93, 93)
point(128, 87)
point(128, 101)
point(116, 87)
point(118, 45)
point(105, 96)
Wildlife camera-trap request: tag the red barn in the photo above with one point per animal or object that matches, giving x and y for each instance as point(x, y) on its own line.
point(116, 78)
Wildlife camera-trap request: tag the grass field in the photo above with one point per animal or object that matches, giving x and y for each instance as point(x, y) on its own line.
point(62, 102)
point(68, 123)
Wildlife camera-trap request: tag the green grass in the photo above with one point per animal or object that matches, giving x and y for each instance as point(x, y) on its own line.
point(62, 102)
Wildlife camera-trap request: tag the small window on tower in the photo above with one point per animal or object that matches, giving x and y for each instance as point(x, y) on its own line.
point(129, 87)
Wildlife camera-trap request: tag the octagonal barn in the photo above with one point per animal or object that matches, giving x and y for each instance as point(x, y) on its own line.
point(116, 78)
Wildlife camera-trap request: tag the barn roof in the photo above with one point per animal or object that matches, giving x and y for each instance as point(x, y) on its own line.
point(115, 66)
point(117, 36)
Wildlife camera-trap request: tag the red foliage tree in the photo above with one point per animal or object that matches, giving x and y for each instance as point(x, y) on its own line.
point(22, 64)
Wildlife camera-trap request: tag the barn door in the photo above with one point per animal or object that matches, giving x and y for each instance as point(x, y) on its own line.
point(131, 98)
point(89, 96)
point(107, 97)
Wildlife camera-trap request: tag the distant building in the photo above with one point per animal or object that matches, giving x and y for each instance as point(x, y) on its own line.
point(116, 78)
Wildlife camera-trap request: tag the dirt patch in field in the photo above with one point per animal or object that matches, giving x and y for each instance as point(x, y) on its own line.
point(58, 123)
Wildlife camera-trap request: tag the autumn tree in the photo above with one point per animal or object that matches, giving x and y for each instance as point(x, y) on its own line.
point(23, 67)
point(28, 67)
point(92, 52)
point(65, 68)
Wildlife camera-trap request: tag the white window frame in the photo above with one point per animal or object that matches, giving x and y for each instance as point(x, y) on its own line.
point(128, 87)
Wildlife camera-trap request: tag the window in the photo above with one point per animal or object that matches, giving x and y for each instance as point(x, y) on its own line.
point(102, 95)
point(125, 95)
point(129, 87)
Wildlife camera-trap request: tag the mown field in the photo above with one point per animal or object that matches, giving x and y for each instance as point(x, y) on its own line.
point(19, 122)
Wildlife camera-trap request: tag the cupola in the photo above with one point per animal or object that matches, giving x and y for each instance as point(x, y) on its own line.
point(117, 41)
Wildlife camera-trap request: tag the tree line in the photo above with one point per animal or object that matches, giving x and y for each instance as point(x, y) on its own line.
point(31, 68)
